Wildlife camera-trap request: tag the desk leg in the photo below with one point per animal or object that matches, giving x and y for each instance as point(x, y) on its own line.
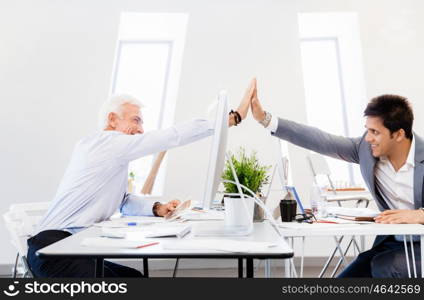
point(287, 266)
point(98, 268)
point(330, 258)
point(340, 259)
point(145, 267)
point(406, 255)
point(287, 270)
point(249, 268)
point(422, 255)
point(267, 268)
point(240, 268)
point(362, 243)
point(411, 239)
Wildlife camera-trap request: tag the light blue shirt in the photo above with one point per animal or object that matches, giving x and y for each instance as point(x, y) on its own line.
point(94, 185)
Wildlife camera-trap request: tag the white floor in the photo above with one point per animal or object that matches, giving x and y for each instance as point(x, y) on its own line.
point(231, 272)
point(276, 272)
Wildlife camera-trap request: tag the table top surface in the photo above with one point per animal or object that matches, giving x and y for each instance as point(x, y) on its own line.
point(262, 232)
point(290, 229)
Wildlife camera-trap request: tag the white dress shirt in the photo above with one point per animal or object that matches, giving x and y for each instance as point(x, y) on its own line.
point(397, 188)
point(94, 185)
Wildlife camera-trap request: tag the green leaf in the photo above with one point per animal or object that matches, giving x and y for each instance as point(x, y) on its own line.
point(249, 172)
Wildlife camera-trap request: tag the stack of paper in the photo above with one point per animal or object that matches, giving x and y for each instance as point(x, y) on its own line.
point(137, 233)
point(104, 242)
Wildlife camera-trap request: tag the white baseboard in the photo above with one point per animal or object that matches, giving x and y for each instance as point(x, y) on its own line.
point(168, 264)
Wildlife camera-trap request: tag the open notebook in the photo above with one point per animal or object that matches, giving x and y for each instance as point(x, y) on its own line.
point(104, 242)
point(159, 230)
point(353, 213)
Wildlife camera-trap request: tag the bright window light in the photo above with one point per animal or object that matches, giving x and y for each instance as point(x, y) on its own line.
point(334, 81)
point(147, 65)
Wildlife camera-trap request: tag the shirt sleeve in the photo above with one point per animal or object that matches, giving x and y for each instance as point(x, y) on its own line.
point(134, 205)
point(273, 124)
point(131, 147)
point(322, 142)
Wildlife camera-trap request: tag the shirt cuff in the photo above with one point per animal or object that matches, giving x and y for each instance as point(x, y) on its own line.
point(273, 124)
point(134, 205)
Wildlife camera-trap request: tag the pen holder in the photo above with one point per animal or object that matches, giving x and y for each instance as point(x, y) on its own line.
point(288, 210)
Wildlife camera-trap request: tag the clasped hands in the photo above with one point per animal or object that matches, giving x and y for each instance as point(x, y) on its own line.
point(249, 100)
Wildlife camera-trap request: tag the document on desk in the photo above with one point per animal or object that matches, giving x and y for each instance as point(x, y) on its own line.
point(307, 226)
point(137, 233)
point(219, 245)
point(130, 221)
point(104, 242)
point(352, 211)
point(211, 215)
point(292, 225)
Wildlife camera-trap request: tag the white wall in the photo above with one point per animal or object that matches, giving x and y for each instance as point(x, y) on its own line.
point(392, 36)
point(56, 61)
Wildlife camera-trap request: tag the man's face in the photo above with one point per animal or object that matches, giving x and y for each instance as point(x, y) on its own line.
point(379, 137)
point(130, 121)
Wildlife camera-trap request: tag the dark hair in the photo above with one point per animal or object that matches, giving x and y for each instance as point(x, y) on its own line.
point(395, 112)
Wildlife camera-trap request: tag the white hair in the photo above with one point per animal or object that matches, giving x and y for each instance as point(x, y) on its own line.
point(114, 104)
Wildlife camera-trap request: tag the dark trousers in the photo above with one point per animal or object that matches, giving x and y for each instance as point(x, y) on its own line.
point(385, 260)
point(68, 267)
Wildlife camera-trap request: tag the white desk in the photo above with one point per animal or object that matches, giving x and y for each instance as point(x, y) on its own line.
point(315, 230)
point(263, 232)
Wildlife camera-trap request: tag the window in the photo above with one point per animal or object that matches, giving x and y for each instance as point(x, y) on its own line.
point(147, 66)
point(333, 81)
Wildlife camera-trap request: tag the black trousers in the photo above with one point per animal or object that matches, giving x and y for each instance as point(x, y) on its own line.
point(68, 267)
point(385, 260)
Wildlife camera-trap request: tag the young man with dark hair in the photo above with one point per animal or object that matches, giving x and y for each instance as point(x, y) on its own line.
point(394, 111)
point(391, 159)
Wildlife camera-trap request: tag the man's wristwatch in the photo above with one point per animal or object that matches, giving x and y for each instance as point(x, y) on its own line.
point(155, 208)
point(265, 122)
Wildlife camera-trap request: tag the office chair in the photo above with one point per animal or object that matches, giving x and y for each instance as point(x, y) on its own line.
point(319, 166)
point(21, 221)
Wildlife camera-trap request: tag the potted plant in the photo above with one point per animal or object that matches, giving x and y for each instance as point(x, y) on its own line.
point(250, 173)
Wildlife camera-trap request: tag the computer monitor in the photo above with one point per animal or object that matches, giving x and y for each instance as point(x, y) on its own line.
point(217, 152)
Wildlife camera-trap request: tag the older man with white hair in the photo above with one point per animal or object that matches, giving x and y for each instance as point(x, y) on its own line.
point(94, 185)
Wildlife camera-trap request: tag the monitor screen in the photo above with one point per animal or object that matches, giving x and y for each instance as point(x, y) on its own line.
point(217, 152)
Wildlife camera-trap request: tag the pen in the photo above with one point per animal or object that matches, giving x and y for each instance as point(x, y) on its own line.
point(329, 222)
point(147, 245)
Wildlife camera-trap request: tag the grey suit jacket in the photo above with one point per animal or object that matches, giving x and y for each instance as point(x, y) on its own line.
point(354, 150)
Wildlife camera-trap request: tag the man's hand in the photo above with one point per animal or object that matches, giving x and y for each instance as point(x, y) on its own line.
point(247, 98)
point(245, 103)
point(256, 107)
point(166, 208)
point(401, 216)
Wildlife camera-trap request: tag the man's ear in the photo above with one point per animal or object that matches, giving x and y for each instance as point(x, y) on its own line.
point(400, 135)
point(111, 119)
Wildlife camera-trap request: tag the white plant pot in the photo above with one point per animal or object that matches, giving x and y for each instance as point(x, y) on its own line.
point(239, 212)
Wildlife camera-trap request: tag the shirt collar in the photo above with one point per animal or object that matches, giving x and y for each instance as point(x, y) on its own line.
point(411, 156)
point(410, 160)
